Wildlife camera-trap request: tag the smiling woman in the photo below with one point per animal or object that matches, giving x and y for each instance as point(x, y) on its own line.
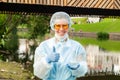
point(60, 58)
point(61, 29)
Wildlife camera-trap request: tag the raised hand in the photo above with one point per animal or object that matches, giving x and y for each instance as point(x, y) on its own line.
point(53, 57)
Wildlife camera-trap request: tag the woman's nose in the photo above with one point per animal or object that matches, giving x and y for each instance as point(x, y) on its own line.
point(61, 27)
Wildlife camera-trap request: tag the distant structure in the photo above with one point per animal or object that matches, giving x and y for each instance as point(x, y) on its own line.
point(104, 4)
point(73, 7)
point(93, 19)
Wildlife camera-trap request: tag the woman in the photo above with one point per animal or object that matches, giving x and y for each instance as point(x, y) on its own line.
point(60, 58)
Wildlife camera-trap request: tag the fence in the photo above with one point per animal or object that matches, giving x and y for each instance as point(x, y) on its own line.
point(114, 36)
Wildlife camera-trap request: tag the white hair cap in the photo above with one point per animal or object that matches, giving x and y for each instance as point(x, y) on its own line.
point(60, 15)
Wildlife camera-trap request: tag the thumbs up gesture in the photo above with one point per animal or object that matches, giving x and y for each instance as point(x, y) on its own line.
point(53, 57)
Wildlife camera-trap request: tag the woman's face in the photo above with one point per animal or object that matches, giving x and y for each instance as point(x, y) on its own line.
point(61, 27)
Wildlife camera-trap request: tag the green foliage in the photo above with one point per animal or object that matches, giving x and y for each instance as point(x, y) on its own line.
point(12, 44)
point(102, 36)
point(37, 25)
point(1, 57)
point(3, 18)
point(9, 38)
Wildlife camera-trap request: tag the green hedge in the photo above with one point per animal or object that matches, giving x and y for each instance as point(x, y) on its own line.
point(102, 36)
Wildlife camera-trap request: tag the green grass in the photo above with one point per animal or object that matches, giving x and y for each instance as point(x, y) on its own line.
point(108, 45)
point(106, 25)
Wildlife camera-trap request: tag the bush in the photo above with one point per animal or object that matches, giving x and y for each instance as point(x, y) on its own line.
point(102, 36)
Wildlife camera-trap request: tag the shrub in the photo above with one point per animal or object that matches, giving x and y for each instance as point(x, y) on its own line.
point(102, 36)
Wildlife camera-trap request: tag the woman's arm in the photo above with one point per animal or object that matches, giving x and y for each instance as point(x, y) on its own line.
point(41, 67)
point(81, 60)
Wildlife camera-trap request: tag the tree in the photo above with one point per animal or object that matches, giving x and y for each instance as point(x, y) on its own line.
point(9, 39)
point(37, 25)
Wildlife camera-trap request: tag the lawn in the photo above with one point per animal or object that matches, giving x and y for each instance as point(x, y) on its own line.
point(106, 25)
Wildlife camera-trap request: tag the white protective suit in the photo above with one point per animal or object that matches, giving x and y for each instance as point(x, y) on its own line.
point(70, 52)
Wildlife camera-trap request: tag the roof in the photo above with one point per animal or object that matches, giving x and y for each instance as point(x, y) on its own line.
point(73, 7)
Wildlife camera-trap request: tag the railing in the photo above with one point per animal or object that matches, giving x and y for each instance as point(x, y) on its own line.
point(112, 36)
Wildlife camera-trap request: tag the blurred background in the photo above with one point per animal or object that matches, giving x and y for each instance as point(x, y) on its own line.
point(21, 34)
point(24, 24)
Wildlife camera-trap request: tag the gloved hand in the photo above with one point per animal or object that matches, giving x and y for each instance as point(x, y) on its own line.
point(73, 66)
point(53, 57)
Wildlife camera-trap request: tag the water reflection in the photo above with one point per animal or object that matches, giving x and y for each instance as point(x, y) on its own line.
point(101, 62)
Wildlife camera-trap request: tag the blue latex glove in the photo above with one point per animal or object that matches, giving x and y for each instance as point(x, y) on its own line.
point(73, 67)
point(53, 57)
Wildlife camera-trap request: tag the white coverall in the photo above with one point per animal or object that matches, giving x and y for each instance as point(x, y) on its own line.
point(70, 51)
